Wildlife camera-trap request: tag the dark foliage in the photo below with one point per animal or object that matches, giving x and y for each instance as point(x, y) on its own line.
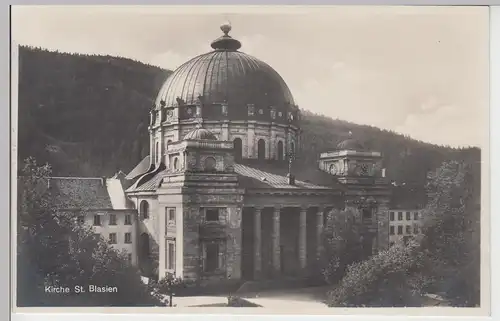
point(53, 250)
point(342, 245)
point(384, 280)
point(452, 232)
point(88, 115)
point(85, 115)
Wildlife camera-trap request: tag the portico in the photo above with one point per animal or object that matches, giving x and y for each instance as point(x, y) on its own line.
point(283, 240)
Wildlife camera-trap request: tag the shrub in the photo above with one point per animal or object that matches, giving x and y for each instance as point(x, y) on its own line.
point(385, 279)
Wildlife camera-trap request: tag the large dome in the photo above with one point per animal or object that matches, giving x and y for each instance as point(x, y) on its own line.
point(226, 76)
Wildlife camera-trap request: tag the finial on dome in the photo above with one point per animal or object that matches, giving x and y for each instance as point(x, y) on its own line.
point(199, 123)
point(226, 42)
point(225, 27)
point(350, 133)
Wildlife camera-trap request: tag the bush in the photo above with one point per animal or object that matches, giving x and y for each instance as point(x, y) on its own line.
point(386, 279)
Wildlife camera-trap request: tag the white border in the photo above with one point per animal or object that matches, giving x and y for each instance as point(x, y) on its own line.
point(494, 153)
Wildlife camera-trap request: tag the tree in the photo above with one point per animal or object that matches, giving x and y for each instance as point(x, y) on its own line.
point(53, 250)
point(342, 244)
point(387, 279)
point(171, 285)
point(452, 231)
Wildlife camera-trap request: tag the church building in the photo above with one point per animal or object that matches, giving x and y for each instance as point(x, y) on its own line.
point(221, 194)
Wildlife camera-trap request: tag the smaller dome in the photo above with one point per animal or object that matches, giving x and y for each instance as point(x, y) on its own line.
point(200, 134)
point(350, 144)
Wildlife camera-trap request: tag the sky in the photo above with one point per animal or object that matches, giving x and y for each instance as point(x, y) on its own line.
point(419, 71)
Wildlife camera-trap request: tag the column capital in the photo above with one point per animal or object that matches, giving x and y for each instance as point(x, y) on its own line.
point(258, 208)
point(304, 208)
point(277, 208)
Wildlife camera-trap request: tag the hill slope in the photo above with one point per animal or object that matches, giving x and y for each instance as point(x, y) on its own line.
point(88, 115)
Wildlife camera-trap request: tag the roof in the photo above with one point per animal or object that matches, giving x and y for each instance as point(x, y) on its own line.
point(257, 175)
point(350, 144)
point(140, 168)
point(80, 193)
point(200, 134)
point(227, 76)
point(117, 195)
point(150, 185)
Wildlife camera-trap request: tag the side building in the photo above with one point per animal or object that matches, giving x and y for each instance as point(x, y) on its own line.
point(101, 204)
point(406, 213)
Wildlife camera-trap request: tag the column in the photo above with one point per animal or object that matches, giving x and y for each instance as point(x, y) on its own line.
point(257, 244)
point(276, 241)
point(319, 232)
point(302, 238)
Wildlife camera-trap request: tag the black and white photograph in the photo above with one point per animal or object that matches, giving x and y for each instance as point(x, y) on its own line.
point(279, 158)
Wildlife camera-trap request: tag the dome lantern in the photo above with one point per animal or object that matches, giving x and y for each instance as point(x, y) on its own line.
point(226, 42)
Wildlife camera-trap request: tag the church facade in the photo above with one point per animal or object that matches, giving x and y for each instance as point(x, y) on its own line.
point(222, 196)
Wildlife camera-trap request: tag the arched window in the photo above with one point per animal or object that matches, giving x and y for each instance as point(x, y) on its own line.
point(176, 163)
point(144, 209)
point(238, 149)
point(144, 246)
point(261, 149)
point(210, 163)
point(280, 150)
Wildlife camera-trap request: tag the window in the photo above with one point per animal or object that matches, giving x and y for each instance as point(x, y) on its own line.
point(170, 216)
point(128, 238)
point(400, 230)
point(211, 257)
point(176, 163)
point(144, 209)
point(391, 230)
point(251, 109)
point(212, 214)
point(280, 150)
point(238, 149)
point(171, 256)
point(415, 229)
point(261, 149)
point(128, 219)
point(400, 216)
point(81, 219)
point(112, 238)
point(112, 219)
point(224, 109)
point(408, 229)
point(97, 220)
point(273, 113)
point(210, 163)
point(408, 216)
point(415, 216)
point(391, 216)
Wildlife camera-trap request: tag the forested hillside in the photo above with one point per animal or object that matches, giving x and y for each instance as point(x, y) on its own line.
point(88, 115)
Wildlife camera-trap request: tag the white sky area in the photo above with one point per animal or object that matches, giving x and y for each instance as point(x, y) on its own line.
point(420, 71)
